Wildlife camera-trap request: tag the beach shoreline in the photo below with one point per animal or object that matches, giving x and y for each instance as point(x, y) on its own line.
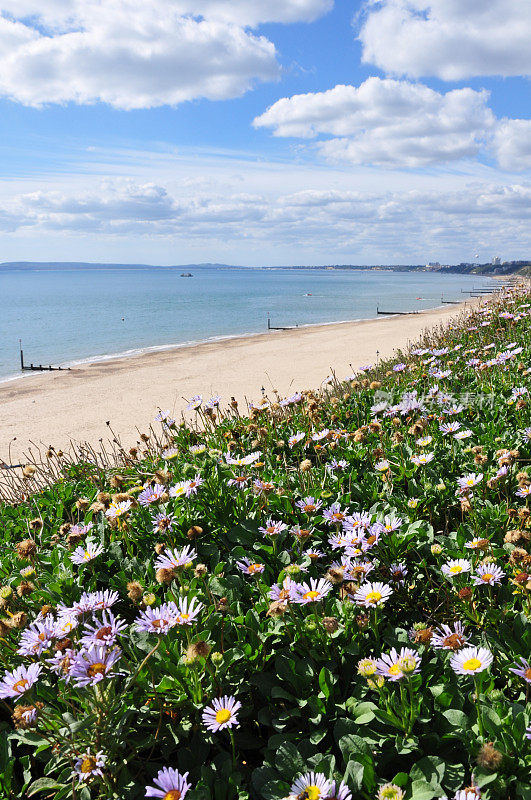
point(54, 408)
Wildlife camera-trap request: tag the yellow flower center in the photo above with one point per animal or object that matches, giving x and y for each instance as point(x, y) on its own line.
point(373, 597)
point(88, 764)
point(20, 686)
point(96, 669)
point(87, 554)
point(313, 792)
point(223, 715)
point(389, 794)
point(394, 670)
point(487, 576)
point(255, 567)
point(185, 616)
point(312, 595)
point(527, 674)
point(456, 568)
point(173, 794)
point(471, 664)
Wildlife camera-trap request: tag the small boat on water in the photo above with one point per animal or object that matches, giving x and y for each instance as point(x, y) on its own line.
point(186, 275)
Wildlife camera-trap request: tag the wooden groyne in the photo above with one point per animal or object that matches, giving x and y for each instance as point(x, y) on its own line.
point(401, 313)
point(40, 368)
point(278, 328)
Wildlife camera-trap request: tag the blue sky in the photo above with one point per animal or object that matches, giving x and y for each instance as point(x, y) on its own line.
point(177, 131)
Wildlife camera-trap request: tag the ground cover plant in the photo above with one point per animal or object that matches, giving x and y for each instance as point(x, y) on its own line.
point(323, 597)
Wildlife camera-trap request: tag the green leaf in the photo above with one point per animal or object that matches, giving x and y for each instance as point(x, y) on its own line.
point(289, 761)
point(272, 790)
point(43, 784)
point(429, 769)
point(326, 682)
point(353, 775)
point(420, 790)
point(363, 713)
point(457, 719)
point(400, 779)
point(352, 745)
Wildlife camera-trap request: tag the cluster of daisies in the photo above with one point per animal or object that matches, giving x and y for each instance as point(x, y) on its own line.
point(84, 638)
point(171, 785)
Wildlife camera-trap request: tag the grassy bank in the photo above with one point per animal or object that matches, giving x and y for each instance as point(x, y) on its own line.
point(324, 596)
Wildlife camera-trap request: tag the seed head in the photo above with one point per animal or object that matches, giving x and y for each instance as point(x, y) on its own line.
point(488, 757)
point(26, 548)
point(164, 576)
point(134, 591)
point(19, 620)
point(25, 588)
point(330, 624)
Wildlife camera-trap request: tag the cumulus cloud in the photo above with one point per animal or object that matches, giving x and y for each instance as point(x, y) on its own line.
point(387, 122)
point(139, 55)
point(386, 226)
point(512, 144)
point(63, 15)
point(451, 39)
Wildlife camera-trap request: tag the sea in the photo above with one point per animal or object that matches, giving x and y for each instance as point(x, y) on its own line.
point(82, 314)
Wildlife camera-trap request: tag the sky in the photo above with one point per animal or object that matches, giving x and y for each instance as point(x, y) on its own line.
point(265, 132)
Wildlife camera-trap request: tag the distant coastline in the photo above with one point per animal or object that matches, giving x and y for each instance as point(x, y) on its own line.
point(521, 267)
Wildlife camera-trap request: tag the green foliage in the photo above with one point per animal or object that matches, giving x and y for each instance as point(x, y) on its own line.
point(306, 705)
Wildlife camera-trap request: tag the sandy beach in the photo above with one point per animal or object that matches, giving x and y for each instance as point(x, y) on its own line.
point(57, 407)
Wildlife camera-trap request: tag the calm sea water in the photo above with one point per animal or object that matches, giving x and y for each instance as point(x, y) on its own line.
point(65, 316)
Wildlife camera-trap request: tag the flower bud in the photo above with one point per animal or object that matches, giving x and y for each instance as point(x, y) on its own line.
point(149, 599)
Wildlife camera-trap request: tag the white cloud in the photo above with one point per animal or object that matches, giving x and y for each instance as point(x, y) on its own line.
point(313, 224)
point(139, 55)
point(387, 122)
point(452, 39)
point(63, 15)
point(512, 144)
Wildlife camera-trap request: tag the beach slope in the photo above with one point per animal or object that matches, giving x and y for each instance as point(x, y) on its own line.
point(56, 407)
